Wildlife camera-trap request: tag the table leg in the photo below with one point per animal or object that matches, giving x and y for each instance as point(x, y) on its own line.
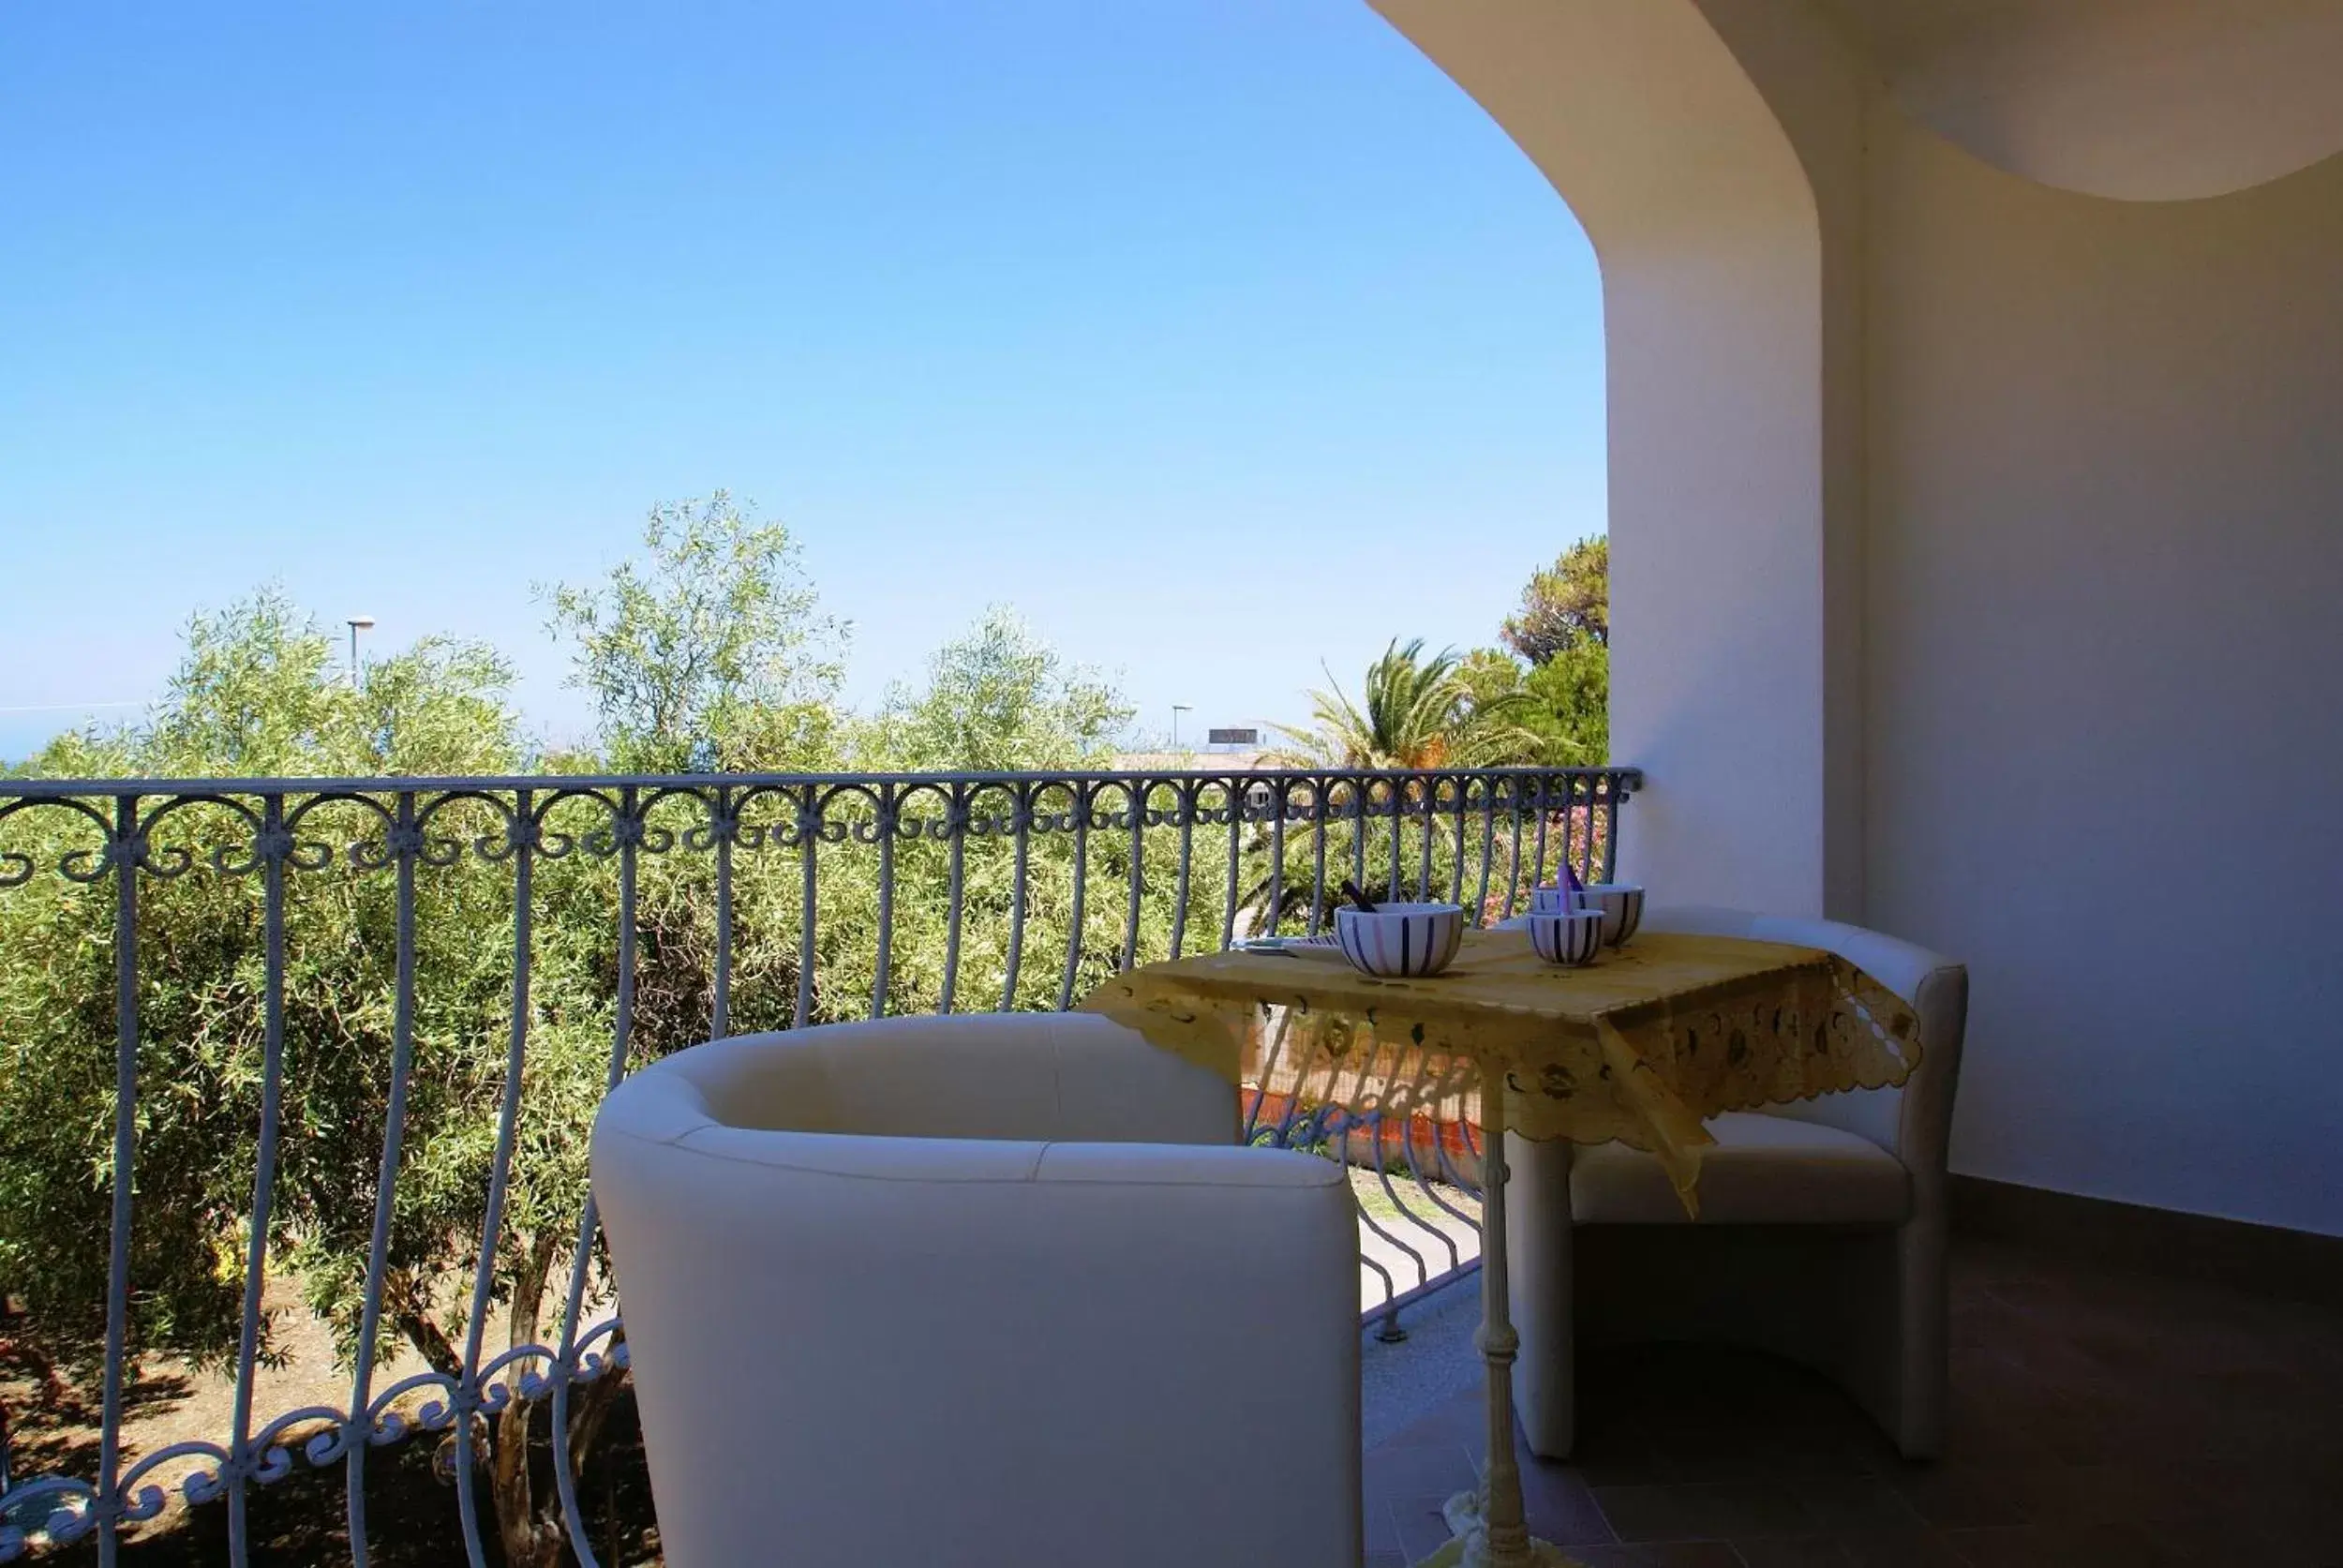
point(1492, 1530)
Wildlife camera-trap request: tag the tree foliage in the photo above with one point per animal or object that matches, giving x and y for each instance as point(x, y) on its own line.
point(1557, 676)
point(1566, 606)
point(1562, 708)
point(711, 652)
point(998, 699)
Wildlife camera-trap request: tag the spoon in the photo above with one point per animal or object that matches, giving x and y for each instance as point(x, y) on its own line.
point(1351, 891)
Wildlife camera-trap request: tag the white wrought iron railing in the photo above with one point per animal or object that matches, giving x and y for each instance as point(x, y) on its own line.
point(356, 1025)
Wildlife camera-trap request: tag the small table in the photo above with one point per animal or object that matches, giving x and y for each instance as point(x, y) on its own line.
point(1642, 1046)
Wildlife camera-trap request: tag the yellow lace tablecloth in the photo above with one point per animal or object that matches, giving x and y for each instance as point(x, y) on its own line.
point(1641, 1046)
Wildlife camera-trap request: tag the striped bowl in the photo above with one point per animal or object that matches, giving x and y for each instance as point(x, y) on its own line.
point(1396, 940)
point(1622, 904)
point(1567, 937)
point(1553, 900)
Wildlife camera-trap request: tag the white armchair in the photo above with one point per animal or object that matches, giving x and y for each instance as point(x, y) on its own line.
point(1821, 1227)
point(985, 1290)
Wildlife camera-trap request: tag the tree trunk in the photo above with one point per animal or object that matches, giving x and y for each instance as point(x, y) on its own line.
point(529, 1528)
point(531, 1539)
point(589, 1410)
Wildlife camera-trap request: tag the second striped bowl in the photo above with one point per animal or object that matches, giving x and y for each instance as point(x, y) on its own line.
point(1399, 940)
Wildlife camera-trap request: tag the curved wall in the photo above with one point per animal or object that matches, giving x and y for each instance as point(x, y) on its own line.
point(1705, 224)
point(1975, 541)
point(2137, 99)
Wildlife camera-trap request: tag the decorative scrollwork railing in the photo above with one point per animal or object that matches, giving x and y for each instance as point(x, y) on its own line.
point(647, 912)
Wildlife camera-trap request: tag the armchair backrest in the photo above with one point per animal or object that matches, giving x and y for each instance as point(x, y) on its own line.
point(1914, 1122)
point(1040, 1077)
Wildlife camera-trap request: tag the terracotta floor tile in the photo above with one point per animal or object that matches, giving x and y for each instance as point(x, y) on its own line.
point(1901, 1549)
point(1862, 1504)
point(1799, 1551)
point(1955, 1496)
point(1620, 1457)
point(1661, 1513)
point(1691, 1554)
point(1420, 1526)
point(2096, 1546)
point(1561, 1507)
point(1702, 1510)
point(2094, 1417)
point(1460, 1420)
point(1395, 1472)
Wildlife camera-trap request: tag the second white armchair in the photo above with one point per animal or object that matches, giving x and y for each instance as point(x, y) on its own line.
point(1822, 1227)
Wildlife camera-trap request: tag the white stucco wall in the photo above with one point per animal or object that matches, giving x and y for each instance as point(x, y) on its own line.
point(1978, 572)
point(1705, 224)
point(2105, 687)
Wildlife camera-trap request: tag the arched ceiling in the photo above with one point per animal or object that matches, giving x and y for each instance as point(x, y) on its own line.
point(2137, 99)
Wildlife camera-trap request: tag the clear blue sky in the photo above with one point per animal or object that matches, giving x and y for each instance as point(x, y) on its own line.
point(1217, 336)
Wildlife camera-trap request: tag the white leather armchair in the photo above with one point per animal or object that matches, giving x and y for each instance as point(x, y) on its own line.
point(978, 1291)
point(1822, 1227)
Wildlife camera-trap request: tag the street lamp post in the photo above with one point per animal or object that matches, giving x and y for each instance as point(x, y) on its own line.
point(1178, 709)
point(357, 623)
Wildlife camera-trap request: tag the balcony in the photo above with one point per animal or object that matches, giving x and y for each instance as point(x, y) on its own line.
point(345, 1400)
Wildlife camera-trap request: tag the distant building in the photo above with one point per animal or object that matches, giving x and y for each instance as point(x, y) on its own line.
point(1186, 761)
point(1245, 746)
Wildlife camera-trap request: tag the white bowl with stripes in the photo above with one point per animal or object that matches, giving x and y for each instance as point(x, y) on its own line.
point(1622, 904)
point(1399, 940)
point(1566, 936)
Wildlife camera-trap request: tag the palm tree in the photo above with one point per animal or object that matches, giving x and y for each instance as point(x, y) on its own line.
point(1417, 711)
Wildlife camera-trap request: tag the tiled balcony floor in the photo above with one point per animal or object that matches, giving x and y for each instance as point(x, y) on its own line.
point(2096, 1419)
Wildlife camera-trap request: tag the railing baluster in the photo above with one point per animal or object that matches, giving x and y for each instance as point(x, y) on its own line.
point(1021, 823)
point(1389, 1312)
point(1456, 872)
point(1277, 883)
point(127, 847)
point(272, 847)
point(1581, 841)
point(627, 835)
point(471, 1399)
point(1488, 847)
point(1512, 852)
point(1399, 815)
point(1236, 847)
point(403, 846)
point(1186, 799)
point(1407, 1146)
point(808, 800)
point(1610, 826)
point(1428, 810)
point(1137, 796)
point(1382, 1177)
point(956, 817)
point(889, 804)
point(1318, 855)
point(725, 826)
point(1082, 799)
point(1537, 873)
